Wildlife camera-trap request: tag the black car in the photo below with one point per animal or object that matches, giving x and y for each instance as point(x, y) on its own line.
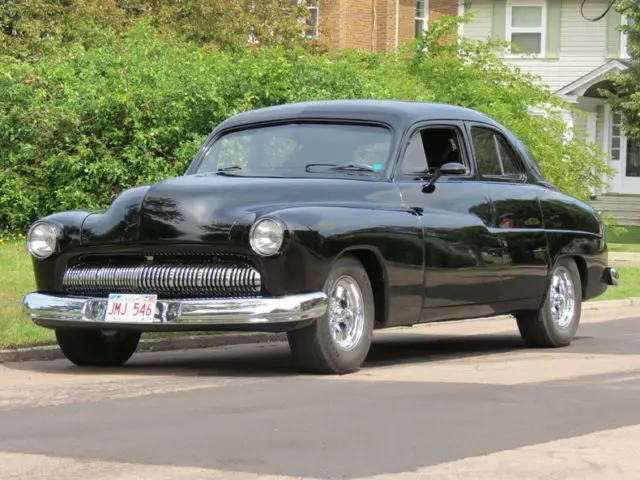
point(326, 220)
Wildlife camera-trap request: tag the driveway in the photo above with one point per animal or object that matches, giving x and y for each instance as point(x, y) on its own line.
point(449, 401)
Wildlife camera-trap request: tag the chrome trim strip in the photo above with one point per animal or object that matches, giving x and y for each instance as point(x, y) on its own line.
point(61, 309)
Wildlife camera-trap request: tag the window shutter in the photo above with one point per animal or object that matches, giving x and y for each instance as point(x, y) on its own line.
point(614, 19)
point(554, 35)
point(499, 22)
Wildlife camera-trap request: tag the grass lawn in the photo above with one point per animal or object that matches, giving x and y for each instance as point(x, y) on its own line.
point(628, 241)
point(15, 329)
point(629, 285)
point(624, 247)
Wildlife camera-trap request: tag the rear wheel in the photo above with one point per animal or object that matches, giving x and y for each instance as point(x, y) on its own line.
point(339, 341)
point(556, 322)
point(95, 348)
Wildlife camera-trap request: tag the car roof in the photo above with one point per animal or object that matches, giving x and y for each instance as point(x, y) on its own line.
point(397, 113)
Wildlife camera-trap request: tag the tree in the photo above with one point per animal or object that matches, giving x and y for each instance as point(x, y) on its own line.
point(27, 27)
point(624, 98)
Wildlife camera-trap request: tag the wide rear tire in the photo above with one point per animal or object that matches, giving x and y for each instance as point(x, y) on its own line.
point(95, 348)
point(556, 322)
point(339, 341)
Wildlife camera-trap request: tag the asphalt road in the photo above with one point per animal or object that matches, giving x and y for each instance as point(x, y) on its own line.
point(449, 401)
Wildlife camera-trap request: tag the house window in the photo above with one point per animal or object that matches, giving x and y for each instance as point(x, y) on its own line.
point(421, 17)
point(624, 38)
point(313, 19)
point(313, 22)
point(526, 28)
point(616, 137)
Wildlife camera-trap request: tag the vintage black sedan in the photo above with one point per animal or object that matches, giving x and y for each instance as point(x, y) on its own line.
point(326, 220)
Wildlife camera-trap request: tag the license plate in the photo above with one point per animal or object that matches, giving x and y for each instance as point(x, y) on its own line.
point(128, 308)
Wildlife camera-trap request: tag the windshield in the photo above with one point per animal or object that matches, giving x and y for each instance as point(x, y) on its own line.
point(300, 149)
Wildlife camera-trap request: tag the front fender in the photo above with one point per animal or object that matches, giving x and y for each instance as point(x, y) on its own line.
point(69, 224)
point(320, 235)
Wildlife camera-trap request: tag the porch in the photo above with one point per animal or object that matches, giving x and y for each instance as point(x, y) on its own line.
point(602, 126)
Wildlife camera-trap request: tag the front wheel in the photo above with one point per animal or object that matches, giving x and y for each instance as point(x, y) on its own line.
point(95, 348)
point(339, 341)
point(556, 322)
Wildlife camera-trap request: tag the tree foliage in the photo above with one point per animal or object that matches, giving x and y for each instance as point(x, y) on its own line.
point(27, 27)
point(624, 98)
point(110, 111)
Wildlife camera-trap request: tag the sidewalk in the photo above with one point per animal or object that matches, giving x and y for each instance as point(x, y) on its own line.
point(624, 259)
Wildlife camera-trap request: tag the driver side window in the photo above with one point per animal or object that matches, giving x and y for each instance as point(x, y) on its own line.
point(430, 148)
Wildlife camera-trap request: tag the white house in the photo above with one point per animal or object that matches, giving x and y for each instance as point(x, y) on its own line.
point(573, 57)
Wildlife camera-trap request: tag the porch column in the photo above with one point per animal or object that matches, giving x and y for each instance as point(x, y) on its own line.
point(592, 126)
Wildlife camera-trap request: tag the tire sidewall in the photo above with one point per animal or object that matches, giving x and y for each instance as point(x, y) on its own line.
point(348, 359)
point(563, 336)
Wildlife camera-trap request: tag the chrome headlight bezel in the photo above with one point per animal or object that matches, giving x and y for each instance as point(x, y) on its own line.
point(52, 234)
point(278, 227)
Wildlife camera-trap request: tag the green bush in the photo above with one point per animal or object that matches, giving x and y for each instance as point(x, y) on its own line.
point(93, 118)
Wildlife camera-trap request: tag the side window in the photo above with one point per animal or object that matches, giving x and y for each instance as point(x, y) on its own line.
point(414, 159)
point(430, 148)
point(493, 155)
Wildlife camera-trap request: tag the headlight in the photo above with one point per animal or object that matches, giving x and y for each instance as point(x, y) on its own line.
point(266, 236)
point(42, 240)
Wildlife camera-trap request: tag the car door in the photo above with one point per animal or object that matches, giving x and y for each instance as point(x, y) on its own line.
point(462, 256)
point(517, 215)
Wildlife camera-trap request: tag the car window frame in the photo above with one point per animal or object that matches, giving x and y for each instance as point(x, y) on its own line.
point(521, 178)
point(459, 127)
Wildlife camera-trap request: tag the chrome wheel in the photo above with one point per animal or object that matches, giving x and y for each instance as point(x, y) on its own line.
point(346, 313)
point(562, 298)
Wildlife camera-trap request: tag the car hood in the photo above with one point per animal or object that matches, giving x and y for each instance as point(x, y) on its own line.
point(207, 208)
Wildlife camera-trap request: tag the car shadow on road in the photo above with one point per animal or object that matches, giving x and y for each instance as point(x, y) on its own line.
point(273, 359)
point(399, 349)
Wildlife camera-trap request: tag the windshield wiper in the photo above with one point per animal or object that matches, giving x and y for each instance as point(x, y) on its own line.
point(354, 167)
point(223, 171)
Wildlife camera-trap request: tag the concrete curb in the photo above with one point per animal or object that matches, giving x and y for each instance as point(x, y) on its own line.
point(600, 305)
point(52, 352)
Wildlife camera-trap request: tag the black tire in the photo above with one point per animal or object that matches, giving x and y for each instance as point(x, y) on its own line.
point(540, 329)
point(94, 348)
point(314, 347)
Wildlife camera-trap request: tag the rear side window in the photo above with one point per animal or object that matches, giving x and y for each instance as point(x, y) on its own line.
point(493, 154)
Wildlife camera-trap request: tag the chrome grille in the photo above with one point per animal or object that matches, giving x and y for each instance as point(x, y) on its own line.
point(165, 280)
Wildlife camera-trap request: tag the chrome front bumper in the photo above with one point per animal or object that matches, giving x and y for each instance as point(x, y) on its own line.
point(62, 310)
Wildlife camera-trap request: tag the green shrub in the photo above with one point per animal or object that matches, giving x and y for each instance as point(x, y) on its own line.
point(93, 118)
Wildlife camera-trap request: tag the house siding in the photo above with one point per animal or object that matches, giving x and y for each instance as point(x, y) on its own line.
point(479, 28)
point(582, 48)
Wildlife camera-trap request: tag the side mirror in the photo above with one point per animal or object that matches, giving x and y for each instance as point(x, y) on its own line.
point(451, 168)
